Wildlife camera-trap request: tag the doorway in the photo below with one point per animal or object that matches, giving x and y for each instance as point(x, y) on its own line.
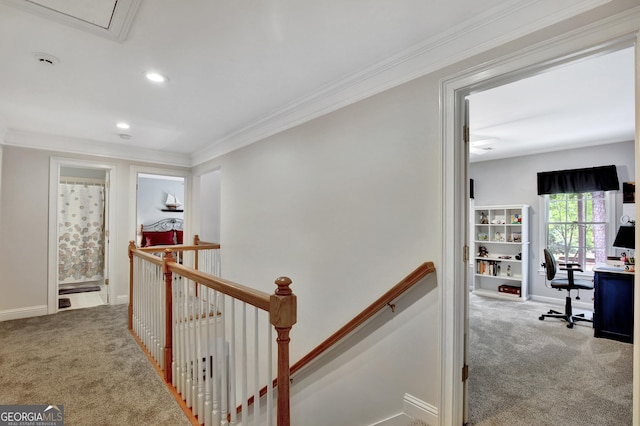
point(80, 215)
point(159, 197)
point(455, 190)
point(517, 114)
point(157, 194)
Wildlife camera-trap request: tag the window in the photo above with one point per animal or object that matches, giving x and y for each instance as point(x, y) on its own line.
point(577, 226)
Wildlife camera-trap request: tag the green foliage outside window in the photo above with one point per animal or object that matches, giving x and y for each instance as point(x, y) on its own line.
point(576, 227)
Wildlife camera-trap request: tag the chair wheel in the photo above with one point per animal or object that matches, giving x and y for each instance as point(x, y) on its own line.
point(541, 318)
point(569, 325)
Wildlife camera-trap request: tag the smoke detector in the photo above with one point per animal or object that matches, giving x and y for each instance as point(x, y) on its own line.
point(46, 59)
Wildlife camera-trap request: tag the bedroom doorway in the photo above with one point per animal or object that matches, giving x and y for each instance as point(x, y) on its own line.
point(158, 197)
point(79, 249)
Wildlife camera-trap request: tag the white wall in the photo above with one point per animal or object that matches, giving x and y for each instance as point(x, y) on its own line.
point(210, 206)
point(514, 181)
point(24, 229)
point(346, 206)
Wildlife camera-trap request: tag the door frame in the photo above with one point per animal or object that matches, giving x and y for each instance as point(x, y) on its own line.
point(110, 250)
point(608, 35)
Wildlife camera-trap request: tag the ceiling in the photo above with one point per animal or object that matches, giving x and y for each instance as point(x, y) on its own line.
point(239, 71)
point(583, 103)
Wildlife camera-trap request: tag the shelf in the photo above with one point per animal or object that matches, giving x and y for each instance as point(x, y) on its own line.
point(496, 242)
point(498, 295)
point(498, 224)
point(507, 236)
point(496, 259)
point(500, 277)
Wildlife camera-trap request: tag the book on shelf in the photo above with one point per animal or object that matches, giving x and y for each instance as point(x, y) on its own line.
point(488, 267)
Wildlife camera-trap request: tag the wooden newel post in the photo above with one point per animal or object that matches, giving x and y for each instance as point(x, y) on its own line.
point(283, 314)
point(168, 314)
point(132, 246)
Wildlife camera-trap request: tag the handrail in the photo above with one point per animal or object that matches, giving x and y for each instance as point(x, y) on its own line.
point(248, 295)
point(383, 301)
point(179, 247)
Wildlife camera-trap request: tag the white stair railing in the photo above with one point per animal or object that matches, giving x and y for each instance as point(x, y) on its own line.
point(212, 338)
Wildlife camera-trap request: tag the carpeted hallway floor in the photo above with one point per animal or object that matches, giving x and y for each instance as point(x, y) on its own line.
point(87, 361)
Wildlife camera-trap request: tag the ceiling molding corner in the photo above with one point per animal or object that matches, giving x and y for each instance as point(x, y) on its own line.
point(94, 148)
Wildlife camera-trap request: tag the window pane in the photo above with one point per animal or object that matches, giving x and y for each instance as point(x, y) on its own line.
point(576, 228)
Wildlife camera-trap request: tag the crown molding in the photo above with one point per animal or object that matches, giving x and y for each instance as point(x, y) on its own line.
point(94, 148)
point(511, 20)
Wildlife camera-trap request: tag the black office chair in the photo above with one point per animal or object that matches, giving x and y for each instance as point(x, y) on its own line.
point(569, 283)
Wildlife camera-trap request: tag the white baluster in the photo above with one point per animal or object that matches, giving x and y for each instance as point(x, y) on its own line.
point(269, 374)
point(232, 364)
point(256, 373)
point(245, 405)
point(223, 356)
point(208, 381)
point(215, 412)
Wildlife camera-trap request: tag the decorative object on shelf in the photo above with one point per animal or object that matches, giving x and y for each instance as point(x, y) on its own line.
point(483, 218)
point(508, 270)
point(482, 236)
point(511, 289)
point(172, 202)
point(516, 237)
point(498, 220)
point(499, 237)
point(626, 238)
point(483, 252)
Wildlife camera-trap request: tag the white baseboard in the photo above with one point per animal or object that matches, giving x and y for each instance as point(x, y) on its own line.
point(121, 300)
point(420, 410)
point(414, 409)
point(400, 419)
point(28, 312)
point(588, 306)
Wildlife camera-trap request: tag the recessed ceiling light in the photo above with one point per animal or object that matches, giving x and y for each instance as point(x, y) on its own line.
point(122, 125)
point(155, 77)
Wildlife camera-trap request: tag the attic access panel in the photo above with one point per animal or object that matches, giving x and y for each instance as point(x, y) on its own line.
point(107, 18)
point(96, 12)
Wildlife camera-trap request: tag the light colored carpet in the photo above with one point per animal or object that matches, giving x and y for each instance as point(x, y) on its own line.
point(528, 372)
point(88, 361)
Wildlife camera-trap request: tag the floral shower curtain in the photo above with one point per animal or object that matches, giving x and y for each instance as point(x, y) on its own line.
point(80, 232)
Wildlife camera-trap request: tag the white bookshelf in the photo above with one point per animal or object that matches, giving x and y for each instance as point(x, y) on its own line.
point(501, 251)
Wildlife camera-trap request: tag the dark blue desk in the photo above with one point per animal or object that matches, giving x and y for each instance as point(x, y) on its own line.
point(613, 304)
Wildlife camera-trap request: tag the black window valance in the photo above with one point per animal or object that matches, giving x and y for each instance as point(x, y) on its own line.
point(604, 178)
